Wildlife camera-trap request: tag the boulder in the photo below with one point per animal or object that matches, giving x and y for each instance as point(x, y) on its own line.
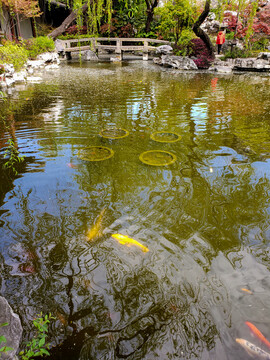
point(12, 332)
point(49, 58)
point(20, 76)
point(252, 64)
point(164, 49)
point(264, 56)
point(59, 46)
point(90, 55)
point(176, 62)
point(9, 70)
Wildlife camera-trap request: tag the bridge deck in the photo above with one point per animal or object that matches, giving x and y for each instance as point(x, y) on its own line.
point(94, 44)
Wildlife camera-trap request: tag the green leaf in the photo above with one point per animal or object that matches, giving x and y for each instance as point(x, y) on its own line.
point(4, 324)
point(41, 342)
point(3, 339)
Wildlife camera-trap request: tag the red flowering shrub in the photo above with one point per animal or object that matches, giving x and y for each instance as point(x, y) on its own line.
point(73, 30)
point(203, 58)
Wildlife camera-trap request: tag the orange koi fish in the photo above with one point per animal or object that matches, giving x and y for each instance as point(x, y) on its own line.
point(257, 333)
point(253, 350)
point(125, 240)
point(96, 231)
point(247, 291)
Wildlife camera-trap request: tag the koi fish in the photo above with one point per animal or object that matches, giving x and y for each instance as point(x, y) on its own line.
point(253, 350)
point(125, 240)
point(257, 333)
point(95, 232)
point(72, 166)
point(247, 291)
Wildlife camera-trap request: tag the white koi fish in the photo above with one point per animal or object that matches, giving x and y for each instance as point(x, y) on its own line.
point(253, 350)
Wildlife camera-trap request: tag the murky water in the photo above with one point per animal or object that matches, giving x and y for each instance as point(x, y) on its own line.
point(205, 218)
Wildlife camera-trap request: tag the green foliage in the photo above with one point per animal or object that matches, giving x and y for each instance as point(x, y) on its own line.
point(174, 17)
point(37, 346)
point(13, 156)
point(12, 53)
point(229, 35)
point(4, 349)
point(18, 54)
point(38, 45)
point(236, 53)
point(260, 44)
point(77, 36)
point(184, 46)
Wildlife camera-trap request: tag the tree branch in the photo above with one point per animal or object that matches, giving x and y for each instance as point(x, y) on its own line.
point(65, 24)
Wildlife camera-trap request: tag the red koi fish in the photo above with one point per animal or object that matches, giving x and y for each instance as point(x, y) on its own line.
point(257, 333)
point(72, 166)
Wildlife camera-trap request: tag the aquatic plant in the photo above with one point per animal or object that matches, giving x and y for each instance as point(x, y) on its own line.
point(3, 339)
point(37, 346)
point(14, 157)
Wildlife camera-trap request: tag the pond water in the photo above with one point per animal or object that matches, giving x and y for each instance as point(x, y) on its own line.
point(204, 219)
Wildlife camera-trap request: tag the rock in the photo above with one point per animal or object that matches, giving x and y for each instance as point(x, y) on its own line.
point(177, 62)
point(264, 55)
point(51, 67)
point(59, 46)
point(221, 69)
point(13, 331)
point(164, 49)
point(49, 57)
point(90, 55)
point(251, 64)
point(20, 76)
point(9, 70)
point(35, 64)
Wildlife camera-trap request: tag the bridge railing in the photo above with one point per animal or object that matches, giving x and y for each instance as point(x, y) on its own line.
point(97, 44)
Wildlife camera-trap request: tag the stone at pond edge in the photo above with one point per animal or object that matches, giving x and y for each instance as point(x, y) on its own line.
point(164, 49)
point(177, 62)
point(12, 332)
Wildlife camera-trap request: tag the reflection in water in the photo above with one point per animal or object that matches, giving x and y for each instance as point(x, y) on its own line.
point(205, 218)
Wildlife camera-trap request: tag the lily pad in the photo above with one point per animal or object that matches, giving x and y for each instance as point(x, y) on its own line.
point(95, 153)
point(114, 133)
point(165, 137)
point(157, 157)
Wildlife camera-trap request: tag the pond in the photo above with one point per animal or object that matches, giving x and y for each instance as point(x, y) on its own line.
point(194, 266)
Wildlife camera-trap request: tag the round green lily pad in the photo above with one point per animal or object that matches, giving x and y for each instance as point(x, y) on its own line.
point(95, 153)
point(162, 136)
point(114, 133)
point(157, 157)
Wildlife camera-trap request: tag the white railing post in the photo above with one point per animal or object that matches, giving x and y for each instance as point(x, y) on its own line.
point(145, 50)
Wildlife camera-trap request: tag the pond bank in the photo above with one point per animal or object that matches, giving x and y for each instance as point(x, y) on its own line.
point(51, 60)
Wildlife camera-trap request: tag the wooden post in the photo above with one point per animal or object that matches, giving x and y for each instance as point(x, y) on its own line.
point(145, 50)
point(118, 51)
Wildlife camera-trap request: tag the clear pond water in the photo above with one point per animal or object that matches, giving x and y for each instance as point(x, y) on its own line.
point(205, 218)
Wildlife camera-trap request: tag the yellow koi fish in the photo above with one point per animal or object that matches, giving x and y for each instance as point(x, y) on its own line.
point(125, 240)
point(96, 230)
point(253, 350)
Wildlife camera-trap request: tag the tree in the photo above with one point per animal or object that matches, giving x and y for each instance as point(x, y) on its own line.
point(174, 17)
point(200, 32)
point(150, 5)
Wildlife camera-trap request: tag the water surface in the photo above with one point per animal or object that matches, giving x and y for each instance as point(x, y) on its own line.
point(205, 219)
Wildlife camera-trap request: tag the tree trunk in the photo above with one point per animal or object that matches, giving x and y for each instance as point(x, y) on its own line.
point(65, 24)
point(150, 13)
point(202, 34)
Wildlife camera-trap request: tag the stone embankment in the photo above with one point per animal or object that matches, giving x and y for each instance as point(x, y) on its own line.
point(46, 61)
point(259, 64)
point(12, 331)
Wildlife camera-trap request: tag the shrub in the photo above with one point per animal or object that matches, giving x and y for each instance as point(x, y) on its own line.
point(38, 45)
point(184, 45)
point(236, 53)
point(203, 58)
point(73, 30)
point(14, 54)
